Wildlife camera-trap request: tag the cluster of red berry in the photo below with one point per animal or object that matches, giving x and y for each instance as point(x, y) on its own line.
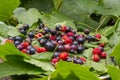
point(62, 40)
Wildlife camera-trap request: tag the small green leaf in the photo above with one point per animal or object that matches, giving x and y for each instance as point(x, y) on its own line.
point(114, 72)
point(27, 17)
point(115, 53)
point(7, 7)
point(44, 56)
point(71, 71)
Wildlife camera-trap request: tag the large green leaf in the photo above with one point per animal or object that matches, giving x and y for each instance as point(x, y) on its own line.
point(71, 71)
point(27, 16)
point(109, 7)
point(42, 5)
point(80, 11)
point(115, 53)
point(6, 30)
point(16, 66)
point(57, 18)
point(114, 72)
point(7, 7)
point(9, 49)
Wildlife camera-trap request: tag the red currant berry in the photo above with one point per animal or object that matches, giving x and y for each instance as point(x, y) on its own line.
point(96, 58)
point(24, 51)
point(102, 44)
point(63, 55)
point(98, 36)
point(25, 44)
point(103, 55)
point(68, 41)
point(96, 51)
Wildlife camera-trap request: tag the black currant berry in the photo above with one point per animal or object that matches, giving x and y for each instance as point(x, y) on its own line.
point(53, 31)
point(50, 46)
point(31, 34)
point(79, 61)
point(69, 59)
point(46, 29)
point(18, 38)
point(58, 27)
point(56, 54)
point(22, 31)
point(80, 49)
point(26, 27)
point(41, 25)
point(17, 43)
point(31, 51)
point(42, 42)
point(86, 31)
point(11, 38)
point(89, 38)
point(81, 40)
point(60, 48)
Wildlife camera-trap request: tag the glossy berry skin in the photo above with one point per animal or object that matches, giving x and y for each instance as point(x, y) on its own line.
point(53, 31)
point(20, 47)
point(74, 47)
point(102, 44)
point(81, 40)
point(68, 29)
point(42, 42)
point(56, 54)
point(79, 61)
point(46, 29)
point(22, 31)
point(70, 59)
point(17, 43)
point(31, 51)
point(96, 58)
point(68, 41)
point(18, 38)
point(54, 61)
point(72, 51)
point(60, 48)
point(80, 49)
point(89, 38)
point(31, 34)
point(96, 51)
point(103, 55)
point(24, 51)
point(63, 55)
point(58, 27)
point(98, 36)
point(52, 37)
point(50, 46)
point(86, 31)
point(40, 49)
point(67, 47)
point(70, 34)
point(25, 44)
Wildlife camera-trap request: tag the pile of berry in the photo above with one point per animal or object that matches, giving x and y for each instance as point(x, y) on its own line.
point(62, 40)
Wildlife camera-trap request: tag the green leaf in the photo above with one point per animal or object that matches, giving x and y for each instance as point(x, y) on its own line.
point(109, 7)
point(42, 5)
point(44, 78)
point(27, 17)
point(7, 7)
point(44, 56)
point(116, 54)
point(57, 4)
point(6, 30)
point(17, 67)
point(57, 18)
point(71, 71)
point(114, 72)
point(9, 49)
point(45, 65)
point(3, 29)
point(98, 66)
point(81, 13)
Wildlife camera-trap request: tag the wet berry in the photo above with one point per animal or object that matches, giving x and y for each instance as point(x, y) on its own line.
point(50, 46)
point(63, 55)
point(96, 58)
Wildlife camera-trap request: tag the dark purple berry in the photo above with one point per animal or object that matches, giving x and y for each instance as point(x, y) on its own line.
point(18, 38)
point(80, 49)
point(53, 31)
point(42, 42)
point(17, 43)
point(31, 34)
point(26, 27)
point(50, 46)
point(58, 27)
point(74, 47)
point(69, 59)
point(46, 29)
point(41, 25)
point(23, 31)
point(56, 54)
point(60, 48)
point(81, 40)
point(20, 47)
